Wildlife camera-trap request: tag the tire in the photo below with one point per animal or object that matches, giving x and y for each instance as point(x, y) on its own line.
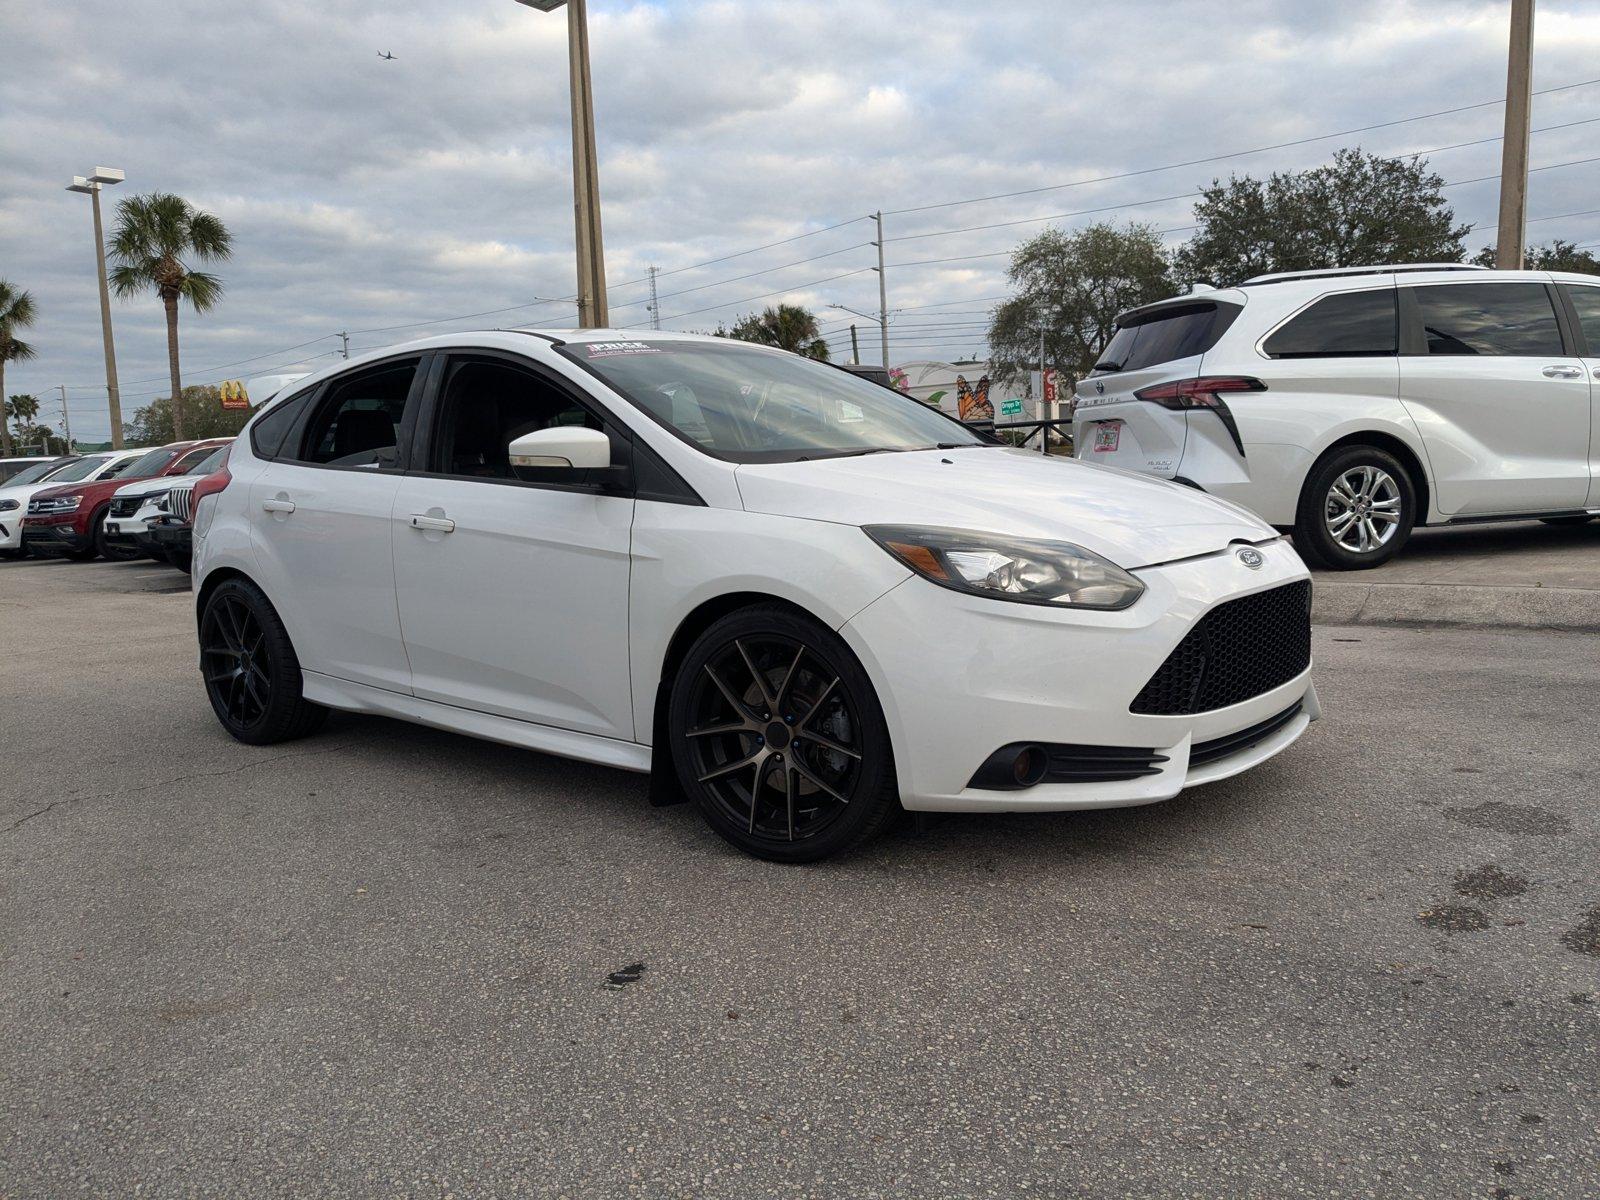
point(790, 791)
point(19, 552)
point(104, 549)
point(96, 537)
point(255, 694)
point(1572, 520)
point(1356, 494)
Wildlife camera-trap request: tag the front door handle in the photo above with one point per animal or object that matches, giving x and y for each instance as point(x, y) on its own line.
point(1563, 372)
point(278, 505)
point(424, 521)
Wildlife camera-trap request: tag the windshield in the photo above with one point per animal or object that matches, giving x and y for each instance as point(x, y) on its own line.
point(80, 469)
point(211, 463)
point(743, 404)
point(38, 471)
point(148, 464)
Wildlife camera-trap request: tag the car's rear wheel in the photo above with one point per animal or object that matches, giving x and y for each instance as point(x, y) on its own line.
point(778, 737)
point(1357, 509)
point(252, 674)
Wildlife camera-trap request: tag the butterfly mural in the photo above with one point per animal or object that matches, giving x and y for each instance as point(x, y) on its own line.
point(972, 403)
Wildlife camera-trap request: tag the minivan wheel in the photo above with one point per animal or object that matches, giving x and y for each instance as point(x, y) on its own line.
point(1356, 511)
point(778, 737)
point(251, 672)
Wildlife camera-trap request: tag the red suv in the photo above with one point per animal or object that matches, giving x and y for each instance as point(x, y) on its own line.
point(72, 517)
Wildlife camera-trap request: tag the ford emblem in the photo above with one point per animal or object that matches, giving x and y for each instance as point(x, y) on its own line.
point(1252, 558)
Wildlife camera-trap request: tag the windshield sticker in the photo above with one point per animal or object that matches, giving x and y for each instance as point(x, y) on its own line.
point(607, 349)
point(849, 413)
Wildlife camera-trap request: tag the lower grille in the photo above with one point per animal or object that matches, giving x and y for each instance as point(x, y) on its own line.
point(1236, 652)
point(126, 506)
point(1233, 743)
point(1100, 764)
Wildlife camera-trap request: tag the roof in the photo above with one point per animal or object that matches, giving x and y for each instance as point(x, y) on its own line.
point(1332, 272)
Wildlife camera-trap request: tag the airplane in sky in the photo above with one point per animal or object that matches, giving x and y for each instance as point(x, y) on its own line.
point(386, 55)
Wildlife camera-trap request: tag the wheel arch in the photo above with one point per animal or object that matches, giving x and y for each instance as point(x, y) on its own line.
point(1390, 443)
point(663, 777)
point(213, 580)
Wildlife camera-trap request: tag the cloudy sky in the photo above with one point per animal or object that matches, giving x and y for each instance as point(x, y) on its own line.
point(386, 198)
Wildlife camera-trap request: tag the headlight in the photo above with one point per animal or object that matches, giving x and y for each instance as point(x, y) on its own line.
point(8, 504)
point(1026, 570)
point(159, 499)
point(63, 504)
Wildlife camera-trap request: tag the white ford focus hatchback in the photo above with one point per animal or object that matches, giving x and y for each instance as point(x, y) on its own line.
point(795, 596)
point(1351, 405)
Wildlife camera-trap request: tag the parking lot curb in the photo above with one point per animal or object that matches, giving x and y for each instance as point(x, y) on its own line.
point(1502, 607)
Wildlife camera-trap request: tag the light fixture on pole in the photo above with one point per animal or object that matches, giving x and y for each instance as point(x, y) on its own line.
point(592, 309)
point(104, 177)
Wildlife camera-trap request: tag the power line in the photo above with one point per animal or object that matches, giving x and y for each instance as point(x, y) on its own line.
point(1196, 162)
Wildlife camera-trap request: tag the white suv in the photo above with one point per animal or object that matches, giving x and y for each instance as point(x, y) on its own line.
point(1351, 405)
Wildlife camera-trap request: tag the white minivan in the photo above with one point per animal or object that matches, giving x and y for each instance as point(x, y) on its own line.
point(1351, 405)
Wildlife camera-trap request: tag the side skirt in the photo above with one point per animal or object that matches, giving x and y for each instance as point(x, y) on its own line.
point(586, 747)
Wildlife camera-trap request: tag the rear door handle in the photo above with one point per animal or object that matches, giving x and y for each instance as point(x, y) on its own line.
point(276, 505)
point(1563, 372)
point(424, 521)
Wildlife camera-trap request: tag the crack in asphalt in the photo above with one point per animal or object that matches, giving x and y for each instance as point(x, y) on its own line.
point(176, 779)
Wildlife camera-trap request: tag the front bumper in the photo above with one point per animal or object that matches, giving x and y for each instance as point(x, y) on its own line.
point(958, 677)
point(171, 538)
point(54, 533)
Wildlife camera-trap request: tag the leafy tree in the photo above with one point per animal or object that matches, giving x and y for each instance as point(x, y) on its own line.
point(154, 235)
point(1557, 256)
point(789, 327)
point(1358, 209)
point(203, 415)
point(1074, 285)
point(21, 410)
point(16, 312)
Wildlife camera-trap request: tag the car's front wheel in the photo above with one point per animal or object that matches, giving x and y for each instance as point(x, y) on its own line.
point(251, 672)
point(1356, 511)
point(778, 737)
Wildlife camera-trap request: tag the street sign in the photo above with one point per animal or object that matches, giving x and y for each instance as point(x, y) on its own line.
point(1011, 408)
point(1050, 385)
point(234, 394)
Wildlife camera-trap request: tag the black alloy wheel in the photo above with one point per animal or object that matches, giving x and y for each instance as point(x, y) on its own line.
point(251, 673)
point(779, 738)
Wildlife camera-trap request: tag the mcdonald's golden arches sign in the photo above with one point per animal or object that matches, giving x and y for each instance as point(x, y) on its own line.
point(234, 394)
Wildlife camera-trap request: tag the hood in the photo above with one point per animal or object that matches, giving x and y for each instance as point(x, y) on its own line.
point(93, 489)
point(1133, 520)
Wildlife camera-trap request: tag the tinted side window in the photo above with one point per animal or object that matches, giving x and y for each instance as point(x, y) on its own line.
point(358, 422)
point(1181, 331)
point(1587, 301)
point(267, 434)
point(191, 460)
point(1506, 319)
point(486, 404)
point(1351, 324)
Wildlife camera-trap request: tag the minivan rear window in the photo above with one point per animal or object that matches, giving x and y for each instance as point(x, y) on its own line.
point(1165, 334)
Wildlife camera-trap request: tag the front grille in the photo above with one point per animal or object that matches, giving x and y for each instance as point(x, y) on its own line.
point(126, 506)
point(1237, 651)
point(180, 503)
point(42, 507)
point(1233, 743)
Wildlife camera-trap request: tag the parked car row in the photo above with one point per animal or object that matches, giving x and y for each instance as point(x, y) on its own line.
point(117, 504)
point(1350, 406)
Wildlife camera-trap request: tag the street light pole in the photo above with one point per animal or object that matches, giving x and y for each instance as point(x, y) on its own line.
point(1510, 241)
point(104, 177)
point(883, 293)
point(592, 308)
point(66, 417)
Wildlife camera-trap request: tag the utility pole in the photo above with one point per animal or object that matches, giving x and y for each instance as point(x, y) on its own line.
point(883, 292)
point(1509, 244)
point(855, 346)
point(1044, 430)
point(66, 418)
point(345, 338)
point(592, 309)
point(655, 305)
point(104, 177)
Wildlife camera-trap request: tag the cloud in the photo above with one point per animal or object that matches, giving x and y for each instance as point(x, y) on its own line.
point(366, 194)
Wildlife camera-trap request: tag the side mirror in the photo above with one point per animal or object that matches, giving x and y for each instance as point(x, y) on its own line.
point(566, 447)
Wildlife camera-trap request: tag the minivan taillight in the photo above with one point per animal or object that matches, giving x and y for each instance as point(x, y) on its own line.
point(209, 486)
point(1204, 392)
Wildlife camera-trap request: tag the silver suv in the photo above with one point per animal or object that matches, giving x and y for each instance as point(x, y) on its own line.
point(1351, 405)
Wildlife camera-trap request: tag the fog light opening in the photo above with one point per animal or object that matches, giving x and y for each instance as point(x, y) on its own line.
point(1029, 766)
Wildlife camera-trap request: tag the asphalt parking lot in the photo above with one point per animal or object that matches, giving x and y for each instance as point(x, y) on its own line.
point(393, 961)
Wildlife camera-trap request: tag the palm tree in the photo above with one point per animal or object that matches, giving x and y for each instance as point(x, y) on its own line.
point(787, 326)
point(16, 312)
point(154, 234)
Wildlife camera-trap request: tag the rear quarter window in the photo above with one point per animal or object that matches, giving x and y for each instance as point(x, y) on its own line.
point(268, 432)
point(1346, 325)
point(1165, 335)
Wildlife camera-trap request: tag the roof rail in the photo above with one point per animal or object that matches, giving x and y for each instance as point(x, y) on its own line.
point(1334, 272)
